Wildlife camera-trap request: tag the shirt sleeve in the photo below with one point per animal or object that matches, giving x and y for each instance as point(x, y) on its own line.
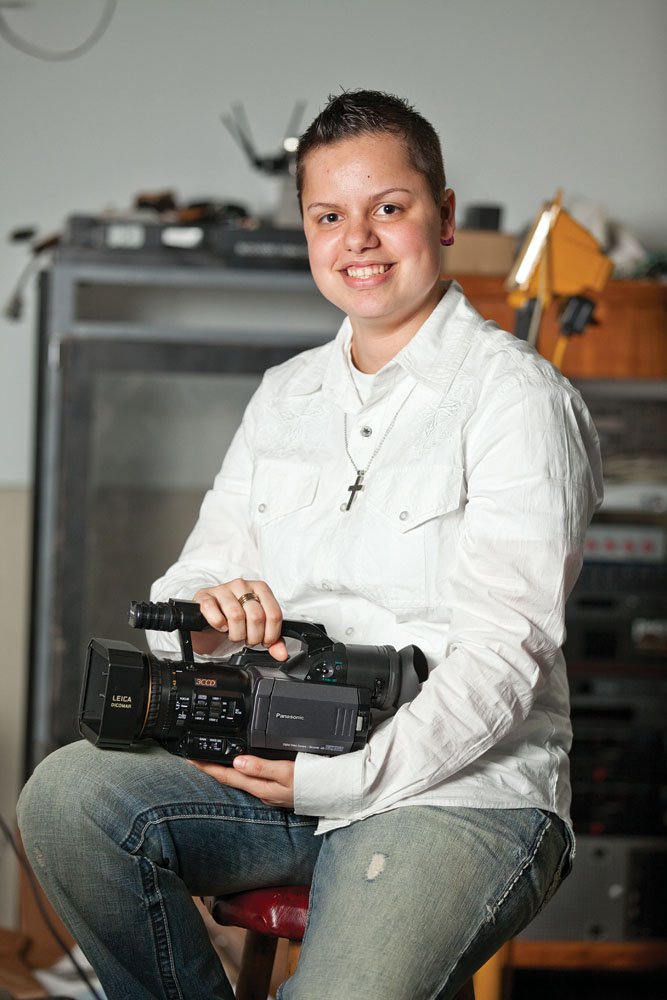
point(222, 545)
point(533, 481)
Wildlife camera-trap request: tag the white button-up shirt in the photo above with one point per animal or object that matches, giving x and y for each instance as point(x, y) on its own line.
point(482, 473)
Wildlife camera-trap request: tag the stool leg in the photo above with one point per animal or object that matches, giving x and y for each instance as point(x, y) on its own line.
point(254, 979)
point(467, 992)
point(293, 952)
point(492, 980)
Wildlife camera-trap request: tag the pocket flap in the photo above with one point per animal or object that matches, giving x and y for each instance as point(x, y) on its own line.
point(409, 495)
point(279, 488)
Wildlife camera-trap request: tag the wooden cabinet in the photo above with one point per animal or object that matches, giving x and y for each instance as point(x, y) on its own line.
point(629, 340)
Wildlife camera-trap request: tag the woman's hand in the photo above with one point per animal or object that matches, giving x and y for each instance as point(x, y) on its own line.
point(270, 781)
point(246, 611)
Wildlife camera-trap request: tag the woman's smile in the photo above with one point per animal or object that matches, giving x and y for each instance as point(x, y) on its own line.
point(374, 230)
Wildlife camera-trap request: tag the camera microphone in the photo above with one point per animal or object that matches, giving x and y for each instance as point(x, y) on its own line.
point(167, 616)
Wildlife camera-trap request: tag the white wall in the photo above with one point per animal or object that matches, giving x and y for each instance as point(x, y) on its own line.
point(528, 96)
point(14, 559)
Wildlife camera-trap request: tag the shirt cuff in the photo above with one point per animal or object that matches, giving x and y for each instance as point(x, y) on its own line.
point(328, 787)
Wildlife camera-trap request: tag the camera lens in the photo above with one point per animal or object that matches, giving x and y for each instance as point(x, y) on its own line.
point(375, 668)
point(156, 696)
point(114, 694)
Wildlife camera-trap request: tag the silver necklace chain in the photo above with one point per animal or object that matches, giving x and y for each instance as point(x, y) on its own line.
point(357, 486)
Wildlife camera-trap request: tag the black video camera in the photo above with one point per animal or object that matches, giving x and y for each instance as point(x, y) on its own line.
point(319, 701)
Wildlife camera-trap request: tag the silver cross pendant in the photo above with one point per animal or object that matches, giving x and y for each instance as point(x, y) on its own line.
point(356, 487)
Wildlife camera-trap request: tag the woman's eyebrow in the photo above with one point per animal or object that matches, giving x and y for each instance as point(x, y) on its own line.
point(372, 197)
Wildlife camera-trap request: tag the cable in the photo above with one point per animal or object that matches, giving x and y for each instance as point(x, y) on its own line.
point(13, 309)
point(39, 53)
point(32, 882)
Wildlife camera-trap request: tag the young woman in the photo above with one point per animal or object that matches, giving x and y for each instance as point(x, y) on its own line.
point(424, 478)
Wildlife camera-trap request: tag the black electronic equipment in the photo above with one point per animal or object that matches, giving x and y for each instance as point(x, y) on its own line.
point(230, 243)
point(618, 761)
point(617, 612)
point(319, 701)
point(615, 892)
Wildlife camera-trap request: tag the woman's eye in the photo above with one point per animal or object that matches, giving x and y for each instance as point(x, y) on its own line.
point(330, 217)
point(388, 209)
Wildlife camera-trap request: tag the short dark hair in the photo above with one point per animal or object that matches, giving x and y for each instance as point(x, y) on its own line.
point(372, 112)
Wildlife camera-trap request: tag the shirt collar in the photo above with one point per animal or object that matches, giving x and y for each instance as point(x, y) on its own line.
point(433, 356)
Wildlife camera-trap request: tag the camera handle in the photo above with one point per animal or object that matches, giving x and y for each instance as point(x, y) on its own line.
point(310, 634)
point(186, 616)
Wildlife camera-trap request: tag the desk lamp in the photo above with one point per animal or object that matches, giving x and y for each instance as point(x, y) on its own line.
point(559, 260)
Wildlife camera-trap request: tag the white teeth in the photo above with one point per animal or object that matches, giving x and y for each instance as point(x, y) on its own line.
point(367, 272)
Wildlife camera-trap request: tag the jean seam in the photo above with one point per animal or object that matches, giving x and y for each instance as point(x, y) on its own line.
point(313, 893)
point(160, 928)
point(560, 873)
point(134, 840)
point(526, 864)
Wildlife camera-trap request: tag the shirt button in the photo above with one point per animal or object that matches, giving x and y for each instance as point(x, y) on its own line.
point(366, 431)
point(261, 508)
point(343, 506)
point(349, 631)
point(404, 515)
point(325, 585)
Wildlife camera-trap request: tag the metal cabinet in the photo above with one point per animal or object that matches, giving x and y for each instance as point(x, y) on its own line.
point(145, 367)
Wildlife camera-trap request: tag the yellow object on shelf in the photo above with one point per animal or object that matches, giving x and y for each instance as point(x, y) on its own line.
point(559, 259)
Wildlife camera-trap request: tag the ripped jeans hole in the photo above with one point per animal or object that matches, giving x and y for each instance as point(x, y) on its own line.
point(376, 867)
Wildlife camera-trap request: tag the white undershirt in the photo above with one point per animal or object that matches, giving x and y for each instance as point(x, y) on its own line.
point(362, 381)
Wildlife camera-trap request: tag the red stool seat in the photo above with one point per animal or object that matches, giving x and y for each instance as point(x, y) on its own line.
point(280, 911)
point(269, 914)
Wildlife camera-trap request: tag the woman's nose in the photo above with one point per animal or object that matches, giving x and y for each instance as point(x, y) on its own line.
point(360, 235)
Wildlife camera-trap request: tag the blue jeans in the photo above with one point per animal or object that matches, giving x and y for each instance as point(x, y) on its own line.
point(404, 906)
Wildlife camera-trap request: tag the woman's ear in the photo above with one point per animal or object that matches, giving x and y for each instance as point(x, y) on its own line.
point(447, 218)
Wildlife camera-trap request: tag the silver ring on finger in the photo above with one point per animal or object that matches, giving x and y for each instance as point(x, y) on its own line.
point(250, 596)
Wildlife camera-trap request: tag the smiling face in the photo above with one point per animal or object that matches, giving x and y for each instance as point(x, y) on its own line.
point(374, 231)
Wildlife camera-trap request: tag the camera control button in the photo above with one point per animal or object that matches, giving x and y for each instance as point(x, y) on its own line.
point(322, 670)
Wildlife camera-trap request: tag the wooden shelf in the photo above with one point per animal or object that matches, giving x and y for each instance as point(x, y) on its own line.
point(630, 340)
point(494, 980)
point(641, 956)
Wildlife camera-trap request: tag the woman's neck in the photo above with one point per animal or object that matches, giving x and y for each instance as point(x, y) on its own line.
point(374, 344)
point(370, 354)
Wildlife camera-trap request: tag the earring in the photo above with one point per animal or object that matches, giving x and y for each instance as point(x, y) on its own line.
point(448, 243)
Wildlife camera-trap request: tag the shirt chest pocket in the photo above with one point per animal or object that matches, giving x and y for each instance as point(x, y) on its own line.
point(281, 501)
point(412, 521)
